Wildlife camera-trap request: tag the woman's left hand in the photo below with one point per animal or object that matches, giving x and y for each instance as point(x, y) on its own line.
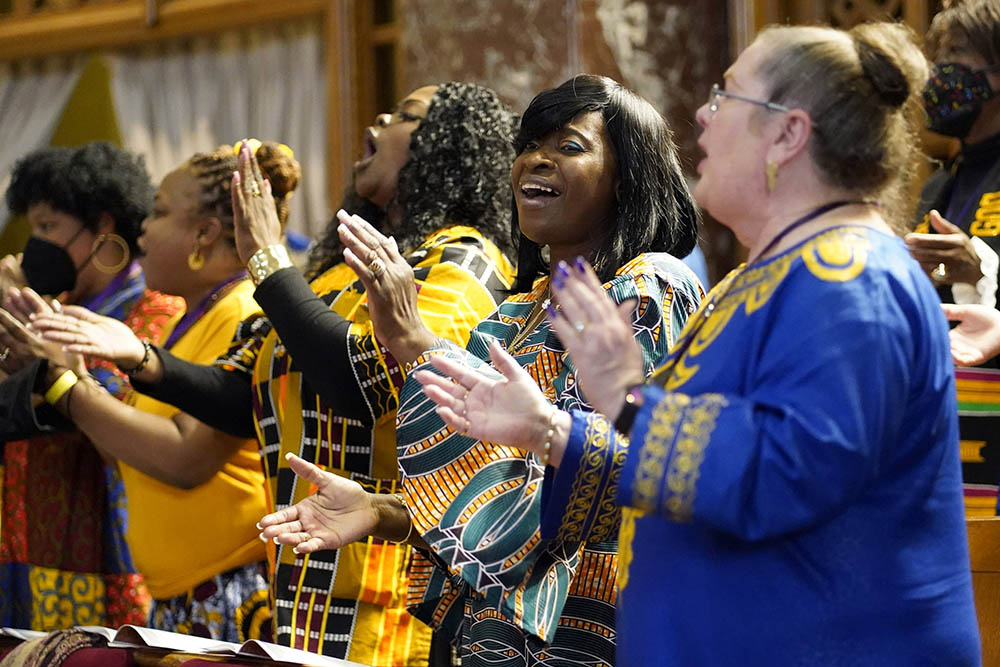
point(598, 336)
point(19, 345)
point(389, 284)
point(255, 217)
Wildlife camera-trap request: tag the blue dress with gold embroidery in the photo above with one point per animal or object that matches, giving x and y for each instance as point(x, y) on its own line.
point(794, 496)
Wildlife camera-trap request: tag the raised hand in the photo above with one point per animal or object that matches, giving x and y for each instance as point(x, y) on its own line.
point(976, 339)
point(948, 257)
point(255, 217)
point(598, 336)
point(506, 408)
point(340, 512)
point(84, 332)
point(389, 284)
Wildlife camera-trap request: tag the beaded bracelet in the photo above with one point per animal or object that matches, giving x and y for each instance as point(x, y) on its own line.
point(147, 350)
point(547, 448)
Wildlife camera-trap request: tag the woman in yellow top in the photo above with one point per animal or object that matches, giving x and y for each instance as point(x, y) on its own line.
point(311, 377)
point(204, 567)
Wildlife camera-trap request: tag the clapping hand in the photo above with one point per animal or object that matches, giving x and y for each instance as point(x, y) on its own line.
point(598, 336)
point(506, 408)
point(389, 283)
point(21, 341)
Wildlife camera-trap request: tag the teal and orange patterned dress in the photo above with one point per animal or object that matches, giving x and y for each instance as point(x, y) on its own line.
point(508, 596)
point(63, 556)
point(791, 489)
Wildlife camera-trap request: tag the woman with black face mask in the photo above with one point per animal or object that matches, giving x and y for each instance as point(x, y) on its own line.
point(63, 559)
point(958, 234)
point(957, 239)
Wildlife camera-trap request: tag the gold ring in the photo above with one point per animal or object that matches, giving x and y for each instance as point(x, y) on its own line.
point(376, 267)
point(254, 189)
point(940, 273)
point(579, 327)
point(468, 425)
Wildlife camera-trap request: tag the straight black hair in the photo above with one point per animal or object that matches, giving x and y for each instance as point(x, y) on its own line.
point(654, 211)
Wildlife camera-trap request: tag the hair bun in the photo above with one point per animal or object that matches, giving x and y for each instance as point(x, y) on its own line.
point(886, 77)
point(280, 167)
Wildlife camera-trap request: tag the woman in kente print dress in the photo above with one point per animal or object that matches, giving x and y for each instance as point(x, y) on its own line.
point(486, 577)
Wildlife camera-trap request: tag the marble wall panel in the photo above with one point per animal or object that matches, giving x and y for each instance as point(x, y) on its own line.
point(669, 51)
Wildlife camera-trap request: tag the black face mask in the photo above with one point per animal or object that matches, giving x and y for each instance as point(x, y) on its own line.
point(954, 98)
point(47, 267)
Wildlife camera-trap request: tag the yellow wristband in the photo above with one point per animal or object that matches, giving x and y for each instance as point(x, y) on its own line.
point(60, 387)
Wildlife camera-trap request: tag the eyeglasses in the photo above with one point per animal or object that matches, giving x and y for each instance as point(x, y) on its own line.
point(716, 93)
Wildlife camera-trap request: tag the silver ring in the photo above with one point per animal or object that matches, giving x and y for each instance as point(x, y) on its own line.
point(5, 354)
point(376, 267)
point(940, 273)
point(579, 327)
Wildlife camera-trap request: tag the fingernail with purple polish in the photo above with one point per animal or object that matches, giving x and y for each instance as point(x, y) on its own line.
point(579, 263)
point(551, 310)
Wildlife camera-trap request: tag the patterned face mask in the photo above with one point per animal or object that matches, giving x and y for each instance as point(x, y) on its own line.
point(954, 96)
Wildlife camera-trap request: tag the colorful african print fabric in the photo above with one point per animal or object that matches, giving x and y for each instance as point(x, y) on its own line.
point(509, 596)
point(350, 603)
point(232, 606)
point(63, 557)
point(793, 496)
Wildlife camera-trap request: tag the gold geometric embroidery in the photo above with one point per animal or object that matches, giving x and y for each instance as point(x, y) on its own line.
point(836, 255)
point(689, 451)
point(655, 450)
point(590, 487)
point(625, 536)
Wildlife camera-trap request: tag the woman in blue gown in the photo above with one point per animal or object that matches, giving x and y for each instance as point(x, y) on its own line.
point(787, 484)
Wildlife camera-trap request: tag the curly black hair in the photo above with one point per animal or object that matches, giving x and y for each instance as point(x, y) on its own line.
point(654, 210)
point(85, 182)
point(458, 172)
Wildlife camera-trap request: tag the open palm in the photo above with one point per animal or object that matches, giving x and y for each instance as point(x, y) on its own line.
point(84, 332)
point(977, 336)
point(340, 512)
point(506, 408)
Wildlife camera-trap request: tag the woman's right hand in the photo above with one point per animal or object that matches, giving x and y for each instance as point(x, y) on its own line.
point(84, 332)
point(976, 339)
point(340, 512)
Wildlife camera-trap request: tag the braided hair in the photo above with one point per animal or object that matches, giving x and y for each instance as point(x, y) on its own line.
point(214, 174)
point(458, 172)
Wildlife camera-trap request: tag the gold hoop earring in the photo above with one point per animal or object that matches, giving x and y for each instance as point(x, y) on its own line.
point(118, 241)
point(196, 261)
point(772, 176)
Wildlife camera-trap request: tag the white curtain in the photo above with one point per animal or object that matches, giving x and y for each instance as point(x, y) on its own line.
point(178, 98)
point(32, 97)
